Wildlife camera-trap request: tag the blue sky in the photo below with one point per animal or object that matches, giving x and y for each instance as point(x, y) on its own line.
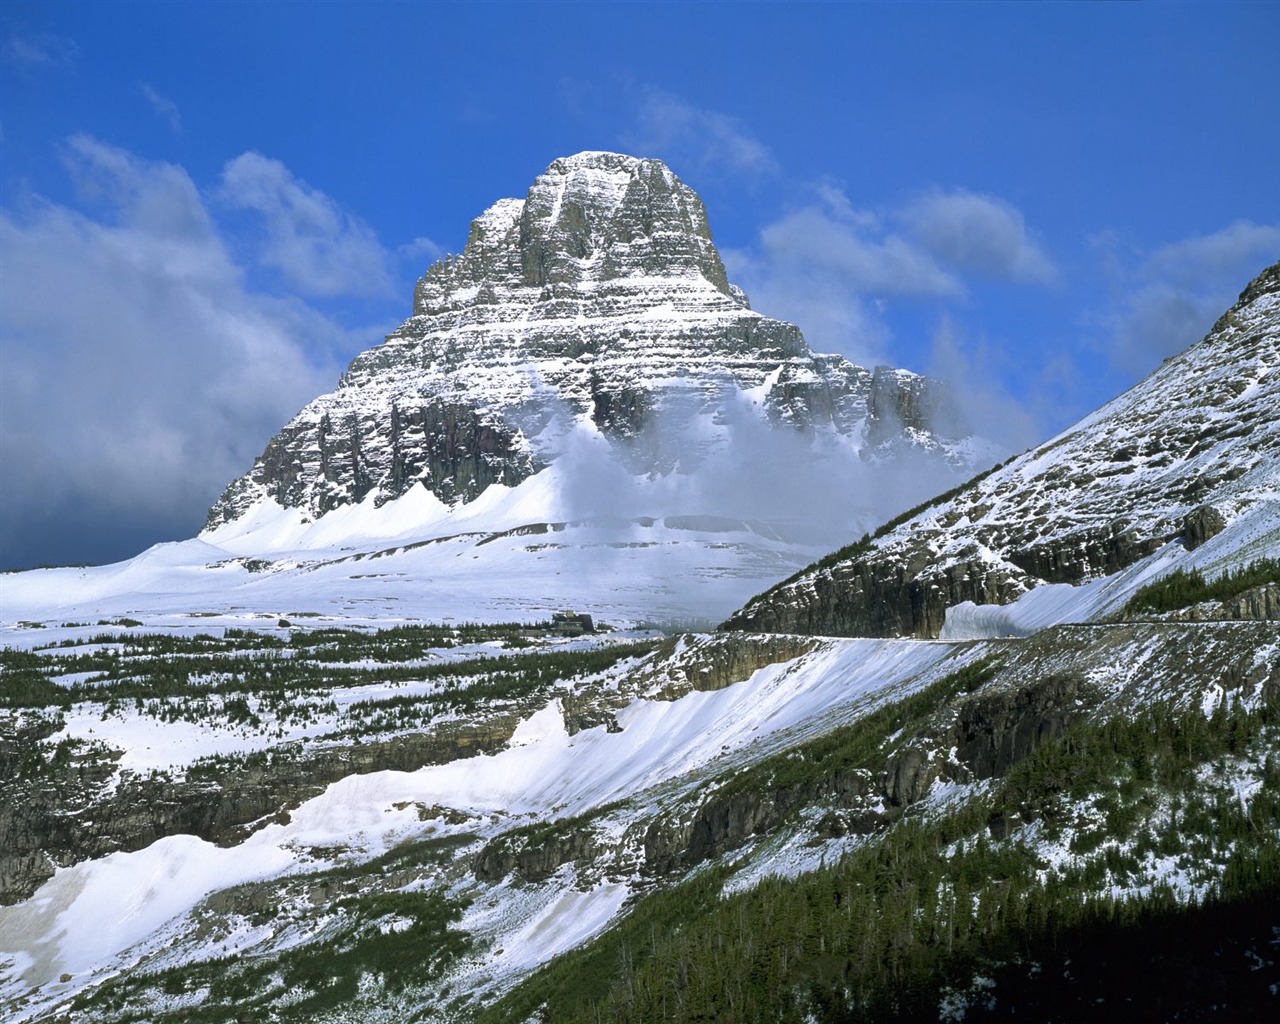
point(207, 209)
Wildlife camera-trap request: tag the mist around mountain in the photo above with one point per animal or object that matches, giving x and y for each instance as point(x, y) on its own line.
point(345, 757)
point(583, 374)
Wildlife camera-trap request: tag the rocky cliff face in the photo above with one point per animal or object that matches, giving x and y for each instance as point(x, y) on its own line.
point(1178, 457)
point(599, 298)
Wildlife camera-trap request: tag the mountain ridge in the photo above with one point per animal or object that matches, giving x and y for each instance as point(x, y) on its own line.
point(1179, 456)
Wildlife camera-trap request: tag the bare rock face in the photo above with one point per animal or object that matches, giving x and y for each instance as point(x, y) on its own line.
point(902, 401)
point(711, 662)
point(1201, 525)
point(1177, 457)
point(598, 298)
point(1257, 604)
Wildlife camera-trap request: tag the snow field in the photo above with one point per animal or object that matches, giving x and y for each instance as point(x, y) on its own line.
point(514, 554)
point(1255, 533)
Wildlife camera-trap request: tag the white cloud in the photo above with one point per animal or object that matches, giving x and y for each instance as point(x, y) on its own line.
point(833, 268)
point(977, 234)
point(164, 107)
point(1168, 299)
point(1240, 246)
point(319, 249)
point(140, 374)
point(153, 199)
point(39, 50)
point(814, 241)
point(695, 139)
point(827, 267)
point(721, 456)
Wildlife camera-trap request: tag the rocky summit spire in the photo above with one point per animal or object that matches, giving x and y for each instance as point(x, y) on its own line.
point(588, 220)
point(599, 296)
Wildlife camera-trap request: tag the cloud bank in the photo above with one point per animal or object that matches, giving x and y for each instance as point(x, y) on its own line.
point(977, 234)
point(831, 268)
point(318, 249)
point(716, 454)
point(141, 373)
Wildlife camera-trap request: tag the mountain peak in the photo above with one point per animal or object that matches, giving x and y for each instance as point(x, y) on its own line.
point(597, 160)
point(596, 298)
point(587, 220)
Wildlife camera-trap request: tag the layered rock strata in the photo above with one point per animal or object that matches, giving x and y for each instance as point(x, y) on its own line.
point(598, 299)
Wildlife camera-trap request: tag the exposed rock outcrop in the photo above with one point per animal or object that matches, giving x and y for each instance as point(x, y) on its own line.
point(987, 733)
point(1257, 604)
point(535, 858)
point(1201, 525)
point(712, 662)
point(726, 820)
point(75, 815)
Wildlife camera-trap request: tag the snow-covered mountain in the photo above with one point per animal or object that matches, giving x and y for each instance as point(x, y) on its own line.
point(1191, 452)
point(581, 412)
point(597, 301)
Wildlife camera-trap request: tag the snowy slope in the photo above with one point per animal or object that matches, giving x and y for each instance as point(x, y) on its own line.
point(509, 556)
point(1189, 451)
point(585, 533)
point(1253, 534)
point(544, 772)
point(661, 756)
